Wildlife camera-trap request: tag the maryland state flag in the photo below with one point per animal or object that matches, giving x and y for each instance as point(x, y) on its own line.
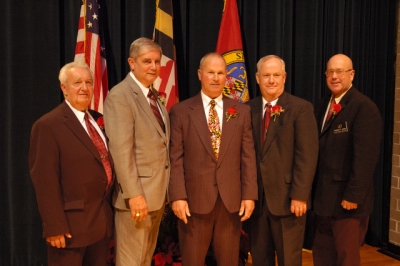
point(166, 83)
point(230, 47)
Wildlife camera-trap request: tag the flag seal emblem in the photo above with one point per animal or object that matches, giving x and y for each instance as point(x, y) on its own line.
point(236, 79)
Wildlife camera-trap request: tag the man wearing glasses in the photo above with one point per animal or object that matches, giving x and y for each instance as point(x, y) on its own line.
point(350, 127)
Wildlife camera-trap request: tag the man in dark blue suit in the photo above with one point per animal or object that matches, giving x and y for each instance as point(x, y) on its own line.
point(350, 129)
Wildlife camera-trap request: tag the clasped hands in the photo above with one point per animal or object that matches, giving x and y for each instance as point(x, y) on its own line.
point(181, 209)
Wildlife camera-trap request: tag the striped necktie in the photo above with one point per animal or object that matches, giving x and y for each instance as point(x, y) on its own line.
point(154, 108)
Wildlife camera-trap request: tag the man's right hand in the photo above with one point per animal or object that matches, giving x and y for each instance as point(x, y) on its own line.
point(181, 209)
point(138, 206)
point(58, 241)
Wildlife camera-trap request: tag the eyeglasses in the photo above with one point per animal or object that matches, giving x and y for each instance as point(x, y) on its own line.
point(339, 72)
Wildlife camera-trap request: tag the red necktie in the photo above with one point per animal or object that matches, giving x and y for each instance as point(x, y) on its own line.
point(266, 120)
point(154, 108)
point(329, 115)
point(101, 148)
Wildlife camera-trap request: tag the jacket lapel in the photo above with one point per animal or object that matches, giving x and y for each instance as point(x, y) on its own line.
point(275, 125)
point(198, 117)
point(74, 125)
point(227, 129)
point(144, 104)
point(346, 98)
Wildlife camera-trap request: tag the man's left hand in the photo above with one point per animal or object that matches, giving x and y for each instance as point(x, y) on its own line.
point(349, 205)
point(246, 208)
point(298, 207)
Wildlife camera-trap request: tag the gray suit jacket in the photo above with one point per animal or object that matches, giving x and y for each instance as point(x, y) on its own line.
point(138, 145)
point(286, 162)
point(195, 174)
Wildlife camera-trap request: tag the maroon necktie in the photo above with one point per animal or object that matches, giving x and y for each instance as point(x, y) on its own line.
point(266, 120)
point(329, 115)
point(154, 108)
point(101, 148)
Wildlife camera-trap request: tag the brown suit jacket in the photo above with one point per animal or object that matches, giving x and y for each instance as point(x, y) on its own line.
point(287, 160)
point(195, 174)
point(69, 179)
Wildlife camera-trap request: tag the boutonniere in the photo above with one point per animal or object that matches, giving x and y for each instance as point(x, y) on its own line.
point(162, 96)
point(231, 112)
point(100, 122)
point(335, 107)
point(276, 111)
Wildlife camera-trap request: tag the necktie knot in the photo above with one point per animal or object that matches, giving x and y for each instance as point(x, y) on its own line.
point(212, 103)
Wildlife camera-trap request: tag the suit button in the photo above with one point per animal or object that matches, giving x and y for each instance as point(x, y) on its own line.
point(215, 184)
point(166, 167)
point(104, 181)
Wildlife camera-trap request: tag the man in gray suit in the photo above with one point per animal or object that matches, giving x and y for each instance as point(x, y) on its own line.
point(286, 143)
point(213, 174)
point(137, 125)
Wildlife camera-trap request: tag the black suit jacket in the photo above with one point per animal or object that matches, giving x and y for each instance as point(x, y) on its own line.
point(69, 179)
point(286, 162)
point(349, 148)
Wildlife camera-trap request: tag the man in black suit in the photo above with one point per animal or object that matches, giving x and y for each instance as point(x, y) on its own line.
point(72, 176)
point(286, 143)
point(350, 129)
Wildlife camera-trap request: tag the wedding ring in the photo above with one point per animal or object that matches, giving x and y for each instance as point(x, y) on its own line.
point(137, 214)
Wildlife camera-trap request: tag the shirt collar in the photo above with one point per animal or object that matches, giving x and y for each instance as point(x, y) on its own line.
point(338, 99)
point(273, 103)
point(143, 88)
point(79, 114)
point(206, 100)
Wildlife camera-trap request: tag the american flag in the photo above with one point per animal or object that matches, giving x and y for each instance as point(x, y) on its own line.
point(91, 48)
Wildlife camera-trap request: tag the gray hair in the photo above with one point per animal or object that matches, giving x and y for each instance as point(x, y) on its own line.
point(267, 57)
point(63, 72)
point(143, 44)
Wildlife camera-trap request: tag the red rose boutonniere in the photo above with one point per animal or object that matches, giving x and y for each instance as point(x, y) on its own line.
point(100, 122)
point(231, 112)
point(162, 96)
point(335, 107)
point(276, 111)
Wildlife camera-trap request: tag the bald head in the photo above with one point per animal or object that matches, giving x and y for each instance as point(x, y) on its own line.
point(339, 74)
point(344, 60)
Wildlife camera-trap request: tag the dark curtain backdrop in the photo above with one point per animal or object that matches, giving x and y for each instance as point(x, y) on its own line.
point(38, 37)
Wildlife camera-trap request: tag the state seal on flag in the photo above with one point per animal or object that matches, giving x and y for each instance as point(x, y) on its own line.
point(236, 78)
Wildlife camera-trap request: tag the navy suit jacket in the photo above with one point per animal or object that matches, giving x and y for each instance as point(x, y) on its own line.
point(349, 148)
point(286, 162)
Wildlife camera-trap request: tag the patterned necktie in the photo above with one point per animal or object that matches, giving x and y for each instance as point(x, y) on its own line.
point(101, 148)
point(154, 108)
point(266, 120)
point(214, 127)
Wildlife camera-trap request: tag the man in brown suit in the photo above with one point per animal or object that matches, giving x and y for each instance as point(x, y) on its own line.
point(213, 181)
point(73, 188)
point(286, 142)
